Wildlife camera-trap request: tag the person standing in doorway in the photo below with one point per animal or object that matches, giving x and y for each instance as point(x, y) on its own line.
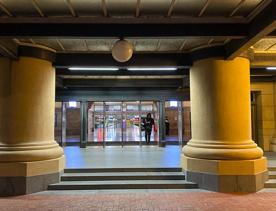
point(167, 124)
point(148, 123)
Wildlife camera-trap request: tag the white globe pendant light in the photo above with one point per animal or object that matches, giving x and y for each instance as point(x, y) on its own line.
point(122, 51)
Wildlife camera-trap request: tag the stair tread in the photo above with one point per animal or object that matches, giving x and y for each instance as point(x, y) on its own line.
point(120, 182)
point(272, 173)
point(123, 174)
point(271, 181)
point(103, 170)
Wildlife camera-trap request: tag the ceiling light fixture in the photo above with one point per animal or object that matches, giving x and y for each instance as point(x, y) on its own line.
point(271, 68)
point(122, 51)
point(94, 68)
point(152, 68)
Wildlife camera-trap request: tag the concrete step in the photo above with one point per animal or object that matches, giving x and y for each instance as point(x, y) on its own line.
point(123, 176)
point(103, 170)
point(270, 183)
point(272, 174)
point(123, 184)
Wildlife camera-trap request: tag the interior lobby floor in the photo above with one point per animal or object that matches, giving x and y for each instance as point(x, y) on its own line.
point(122, 157)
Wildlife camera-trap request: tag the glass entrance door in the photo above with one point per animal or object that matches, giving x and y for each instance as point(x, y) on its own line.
point(121, 122)
point(113, 121)
point(132, 129)
point(150, 107)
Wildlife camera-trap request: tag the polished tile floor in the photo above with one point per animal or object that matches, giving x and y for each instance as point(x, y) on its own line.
point(120, 157)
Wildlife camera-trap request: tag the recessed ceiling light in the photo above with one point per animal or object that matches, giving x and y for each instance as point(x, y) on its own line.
point(94, 68)
point(151, 68)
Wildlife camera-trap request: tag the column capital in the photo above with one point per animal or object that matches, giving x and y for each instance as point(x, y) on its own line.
point(36, 51)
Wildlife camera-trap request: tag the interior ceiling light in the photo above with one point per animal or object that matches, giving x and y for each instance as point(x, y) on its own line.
point(94, 68)
point(152, 68)
point(122, 51)
point(271, 68)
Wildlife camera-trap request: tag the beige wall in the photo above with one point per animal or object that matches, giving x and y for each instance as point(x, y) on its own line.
point(265, 112)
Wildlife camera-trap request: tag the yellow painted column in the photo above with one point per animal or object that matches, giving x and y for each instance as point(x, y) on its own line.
point(30, 159)
point(221, 155)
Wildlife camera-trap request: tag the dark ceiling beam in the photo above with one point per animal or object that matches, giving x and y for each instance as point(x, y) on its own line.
point(262, 72)
point(260, 26)
point(145, 59)
point(121, 83)
point(262, 79)
point(272, 34)
point(114, 94)
point(122, 72)
point(214, 51)
point(69, 30)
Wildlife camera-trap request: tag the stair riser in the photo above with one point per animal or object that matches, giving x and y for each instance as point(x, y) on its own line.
point(107, 170)
point(271, 168)
point(128, 186)
point(105, 178)
point(270, 185)
point(272, 176)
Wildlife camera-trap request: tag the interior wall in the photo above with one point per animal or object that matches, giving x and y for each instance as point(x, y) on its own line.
point(171, 113)
point(187, 121)
point(73, 121)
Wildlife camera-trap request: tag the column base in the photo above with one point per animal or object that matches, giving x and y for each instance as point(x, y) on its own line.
point(13, 186)
point(226, 176)
point(19, 178)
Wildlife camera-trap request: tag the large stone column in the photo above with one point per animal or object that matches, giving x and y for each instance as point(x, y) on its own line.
point(30, 159)
point(221, 156)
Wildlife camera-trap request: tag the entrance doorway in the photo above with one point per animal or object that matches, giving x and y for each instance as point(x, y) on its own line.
point(121, 122)
point(105, 123)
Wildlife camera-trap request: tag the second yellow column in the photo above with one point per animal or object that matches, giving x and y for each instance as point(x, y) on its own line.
point(221, 155)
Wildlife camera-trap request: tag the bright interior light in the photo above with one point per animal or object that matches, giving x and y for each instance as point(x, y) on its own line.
point(72, 104)
point(173, 103)
point(94, 68)
point(271, 68)
point(151, 68)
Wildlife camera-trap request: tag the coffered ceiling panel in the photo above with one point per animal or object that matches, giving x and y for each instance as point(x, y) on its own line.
point(154, 7)
point(170, 44)
point(247, 7)
point(187, 7)
point(221, 8)
point(54, 7)
point(146, 44)
point(20, 8)
point(265, 44)
point(87, 7)
point(121, 7)
point(99, 44)
point(74, 44)
point(127, 8)
point(51, 43)
point(195, 43)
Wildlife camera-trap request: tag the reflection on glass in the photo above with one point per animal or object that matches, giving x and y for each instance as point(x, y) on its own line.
point(117, 121)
